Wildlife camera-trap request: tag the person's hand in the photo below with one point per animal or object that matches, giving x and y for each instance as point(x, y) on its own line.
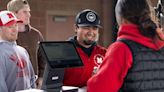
point(160, 33)
point(95, 69)
point(39, 82)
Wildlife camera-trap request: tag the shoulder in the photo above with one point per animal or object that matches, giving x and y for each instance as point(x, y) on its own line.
point(36, 32)
point(118, 48)
point(98, 47)
point(20, 48)
point(118, 45)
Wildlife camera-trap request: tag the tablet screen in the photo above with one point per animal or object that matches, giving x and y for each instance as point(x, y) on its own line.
point(61, 54)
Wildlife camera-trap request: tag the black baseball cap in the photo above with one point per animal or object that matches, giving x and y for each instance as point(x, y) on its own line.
point(88, 17)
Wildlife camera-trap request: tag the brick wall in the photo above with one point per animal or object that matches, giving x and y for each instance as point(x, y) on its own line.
point(104, 8)
point(40, 7)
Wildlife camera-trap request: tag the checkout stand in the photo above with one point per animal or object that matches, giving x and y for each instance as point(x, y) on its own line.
point(58, 55)
point(68, 88)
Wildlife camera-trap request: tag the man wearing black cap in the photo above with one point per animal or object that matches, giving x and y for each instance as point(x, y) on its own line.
point(86, 28)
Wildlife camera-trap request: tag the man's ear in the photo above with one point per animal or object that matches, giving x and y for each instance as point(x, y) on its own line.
point(124, 21)
point(15, 13)
point(160, 33)
point(75, 27)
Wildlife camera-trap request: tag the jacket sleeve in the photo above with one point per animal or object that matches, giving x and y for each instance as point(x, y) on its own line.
point(113, 70)
point(40, 58)
point(31, 70)
point(41, 62)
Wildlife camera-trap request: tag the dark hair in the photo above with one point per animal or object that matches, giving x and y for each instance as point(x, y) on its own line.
point(138, 12)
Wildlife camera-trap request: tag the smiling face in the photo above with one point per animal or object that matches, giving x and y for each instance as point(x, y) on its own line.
point(87, 35)
point(9, 33)
point(24, 14)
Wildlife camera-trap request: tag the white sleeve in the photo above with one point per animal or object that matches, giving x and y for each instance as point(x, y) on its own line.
point(30, 67)
point(3, 86)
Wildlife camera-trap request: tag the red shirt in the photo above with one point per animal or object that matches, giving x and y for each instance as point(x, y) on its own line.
point(79, 76)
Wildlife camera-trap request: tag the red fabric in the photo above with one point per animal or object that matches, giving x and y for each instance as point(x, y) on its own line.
point(79, 76)
point(118, 60)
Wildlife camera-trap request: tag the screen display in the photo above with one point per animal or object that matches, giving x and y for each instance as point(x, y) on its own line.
point(61, 54)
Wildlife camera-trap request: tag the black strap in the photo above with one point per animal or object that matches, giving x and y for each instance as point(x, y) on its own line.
point(126, 41)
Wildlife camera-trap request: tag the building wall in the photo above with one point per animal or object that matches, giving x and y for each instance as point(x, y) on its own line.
point(41, 9)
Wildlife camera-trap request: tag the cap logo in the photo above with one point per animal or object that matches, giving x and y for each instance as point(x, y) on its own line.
point(10, 15)
point(7, 17)
point(91, 17)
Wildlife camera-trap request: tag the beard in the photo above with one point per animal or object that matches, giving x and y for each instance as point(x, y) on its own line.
point(88, 42)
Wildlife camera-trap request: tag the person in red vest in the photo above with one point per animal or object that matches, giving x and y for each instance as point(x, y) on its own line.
point(87, 33)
